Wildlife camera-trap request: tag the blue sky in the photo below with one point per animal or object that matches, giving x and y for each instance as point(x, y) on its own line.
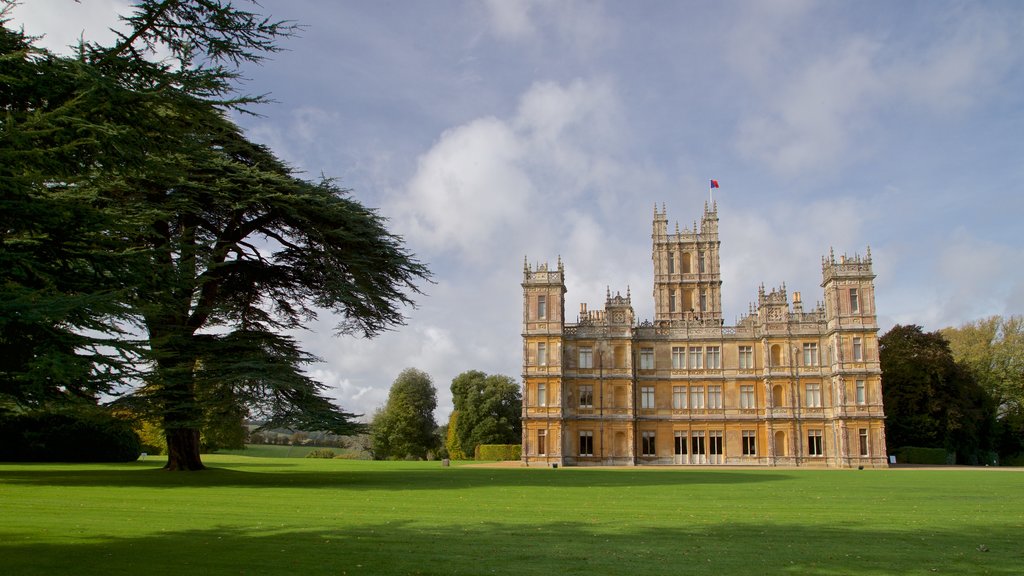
point(492, 131)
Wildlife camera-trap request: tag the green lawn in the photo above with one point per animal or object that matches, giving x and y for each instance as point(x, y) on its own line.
point(309, 516)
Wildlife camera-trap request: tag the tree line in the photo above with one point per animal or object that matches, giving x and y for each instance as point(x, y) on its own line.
point(488, 410)
point(960, 389)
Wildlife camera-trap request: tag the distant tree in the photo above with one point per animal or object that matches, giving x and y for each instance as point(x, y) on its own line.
point(488, 410)
point(452, 444)
point(405, 426)
point(993, 350)
point(930, 400)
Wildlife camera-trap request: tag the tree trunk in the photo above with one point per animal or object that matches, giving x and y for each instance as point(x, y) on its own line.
point(183, 450)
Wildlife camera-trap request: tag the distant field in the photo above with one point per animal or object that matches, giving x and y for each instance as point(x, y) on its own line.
point(253, 515)
point(274, 451)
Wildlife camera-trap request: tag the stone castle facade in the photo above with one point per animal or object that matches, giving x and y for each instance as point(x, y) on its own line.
point(785, 386)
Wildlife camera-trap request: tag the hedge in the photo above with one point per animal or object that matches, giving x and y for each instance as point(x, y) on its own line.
point(81, 436)
point(499, 452)
point(917, 455)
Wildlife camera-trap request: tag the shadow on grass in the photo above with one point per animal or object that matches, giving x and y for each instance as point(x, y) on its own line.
point(371, 477)
point(551, 548)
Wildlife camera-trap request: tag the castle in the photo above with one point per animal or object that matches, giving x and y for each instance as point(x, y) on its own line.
point(785, 386)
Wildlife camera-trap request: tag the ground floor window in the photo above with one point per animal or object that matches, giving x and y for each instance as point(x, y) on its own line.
point(542, 442)
point(647, 443)
point(586, 443)
point(715, 450)
point(749, 443)
point(698, 453)
point(814, 443)
point(863, 441)
point(680, 443)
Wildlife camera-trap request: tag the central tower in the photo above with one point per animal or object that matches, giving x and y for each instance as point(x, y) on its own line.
point(687, 275)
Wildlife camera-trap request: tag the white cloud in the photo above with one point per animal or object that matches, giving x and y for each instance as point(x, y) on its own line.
point(579, 27)
point(492, 178)
point(809, 123)
point(962, 65)
point(62, 22)
point(510, 19)
point(470, 184)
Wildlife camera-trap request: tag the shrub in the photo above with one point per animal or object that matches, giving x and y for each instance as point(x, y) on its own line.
point(321, 454)
point(499, 452)
point(917, 455)
point(89, 435)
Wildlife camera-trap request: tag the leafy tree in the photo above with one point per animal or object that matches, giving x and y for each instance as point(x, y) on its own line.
point(930, 400)
point(488, 410)
point(405, 426)
point(993, 350)
point(201, 238)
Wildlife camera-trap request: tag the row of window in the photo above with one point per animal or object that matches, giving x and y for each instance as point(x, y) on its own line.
point(701, 268)
point(694, 398)
point(542, 302)
point(699, 444)
point(707, 357)
point(687, 297)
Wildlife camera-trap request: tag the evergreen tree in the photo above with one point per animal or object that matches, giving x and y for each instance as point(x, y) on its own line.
point(930, 400)
point(182, 227)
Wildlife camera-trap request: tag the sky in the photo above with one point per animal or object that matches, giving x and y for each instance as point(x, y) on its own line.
point(493, 132)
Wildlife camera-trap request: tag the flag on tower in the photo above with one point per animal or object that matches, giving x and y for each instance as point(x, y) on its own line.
point(714, 183)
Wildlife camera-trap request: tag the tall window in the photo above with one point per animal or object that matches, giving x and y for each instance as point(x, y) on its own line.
point(810, 353)
point(715, 446)
point(671, 262)
point(858, 349)
point(678, 357)
point(647, 397)
point(542, 442)
point(714, 396)
point(700, 262)
point(678, 397)
point(747, 396)
point(813, 396)
point(647, 358)
point(697, 397)
point(696, 357)
point(714, 357)
point(542, 353)
point(746, 357)
point(854, 301)
point(861, 392)
point(703, 300)
point(647, 447)
point(586, 357)
point(697, 448)
point(586, 396)
point(814, 444)
point(671, 300)
point(542, 394)
point(542, 307)
point(586, 443)
point(749, 443)
point(863, 434)
point(680, 441)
